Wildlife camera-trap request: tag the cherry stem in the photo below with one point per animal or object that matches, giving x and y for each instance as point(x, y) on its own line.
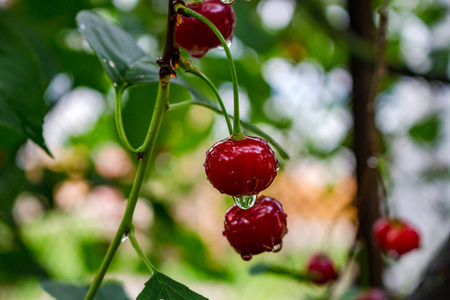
point(245, 124)
point(119, 123)
point(189, 68)
point(121, 130)
point(181, 9)
point(126, 224)
point(139, 251)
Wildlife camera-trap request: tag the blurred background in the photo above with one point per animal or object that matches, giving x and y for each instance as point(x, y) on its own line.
point(58, 216)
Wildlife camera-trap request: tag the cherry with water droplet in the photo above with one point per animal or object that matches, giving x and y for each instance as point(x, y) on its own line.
point(256, 230)
point(195, 36)
point(321, 269)
point(227, 2)
point(241, 167)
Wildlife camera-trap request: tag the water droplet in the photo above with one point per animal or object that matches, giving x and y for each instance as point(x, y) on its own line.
point(124, 238)
point(115, 84)
point(111, 64)
point(227, 2)
point(246, 257)
point(220, 47)
point(278, 165)
point(245, 202)
point(277, 248)
point(224, 233)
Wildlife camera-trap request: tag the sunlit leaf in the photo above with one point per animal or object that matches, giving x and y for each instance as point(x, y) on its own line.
point(63, 291)
point(22, 106)
point(161, 287)
point(125, 63)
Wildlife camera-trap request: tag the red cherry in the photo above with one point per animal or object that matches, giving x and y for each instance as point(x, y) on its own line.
point(401, 238)
point(241, 168)
point(373, 294)
point(195, 36)
point(395, 237)
point(321, 269)
point(257, 229)
point(380, 228)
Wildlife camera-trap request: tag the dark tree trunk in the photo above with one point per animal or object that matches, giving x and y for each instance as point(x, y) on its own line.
point(436, 282)
point(365, 144)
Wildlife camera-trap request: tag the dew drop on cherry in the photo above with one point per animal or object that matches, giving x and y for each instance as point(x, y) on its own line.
point(277, 248)
point(220, 47)
point(227, 2)
point(245, 202)
point(246, 257)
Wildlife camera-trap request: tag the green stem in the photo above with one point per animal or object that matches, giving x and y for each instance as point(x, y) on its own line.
point(119, 123)
point(180, 105)
point(139, 251)
point(146, 261)
point(188, 67)
point(245, 124)
point(126, 225)
point(181, 9)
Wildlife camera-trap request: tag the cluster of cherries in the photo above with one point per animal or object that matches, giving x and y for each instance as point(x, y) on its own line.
point(239, 166)
point(242, 168)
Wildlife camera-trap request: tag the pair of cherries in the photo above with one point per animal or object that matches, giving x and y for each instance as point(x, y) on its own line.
point(243, 167)
point(239, 166)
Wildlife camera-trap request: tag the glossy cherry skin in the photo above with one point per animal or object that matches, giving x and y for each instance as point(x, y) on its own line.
point(380, 228)
point(373, 294)
point(321, 269)
point(401, 238)
point(241, 168)
point(195, 36)
point(255, 230)
point(396, 237)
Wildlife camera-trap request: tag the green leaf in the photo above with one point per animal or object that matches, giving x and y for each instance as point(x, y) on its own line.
point(22, 106)
point(426, 130)
point(63, 291)
point(125, 63)
point(161, 287)
point(267, 269)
